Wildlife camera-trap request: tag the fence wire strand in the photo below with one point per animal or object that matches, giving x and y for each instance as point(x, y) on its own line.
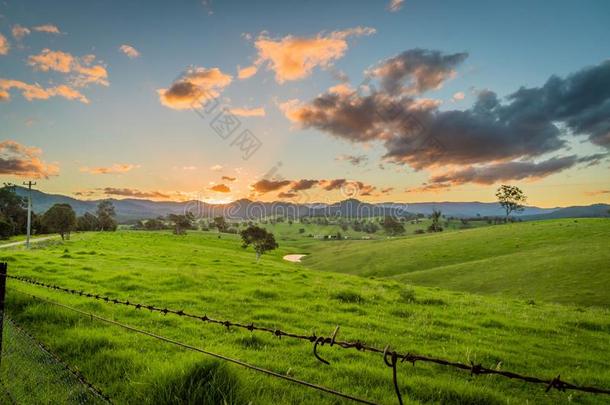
point(197, 349)
point(473, 368)
point(33, 374)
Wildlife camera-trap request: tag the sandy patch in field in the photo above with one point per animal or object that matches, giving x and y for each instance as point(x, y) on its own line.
point(294, 258)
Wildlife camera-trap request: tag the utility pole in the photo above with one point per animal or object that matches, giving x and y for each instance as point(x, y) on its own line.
point(29, 231)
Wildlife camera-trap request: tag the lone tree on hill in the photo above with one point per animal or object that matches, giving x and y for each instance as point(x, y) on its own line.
point(60, 218)
point(261, 240)
point(511, 198)
point(105, 216)
point(435, 226)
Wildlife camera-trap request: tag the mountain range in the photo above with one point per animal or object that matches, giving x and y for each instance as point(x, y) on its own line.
point(130, 209)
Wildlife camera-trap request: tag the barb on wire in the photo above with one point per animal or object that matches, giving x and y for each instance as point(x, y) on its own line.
point(197, 349)
point(556, 382)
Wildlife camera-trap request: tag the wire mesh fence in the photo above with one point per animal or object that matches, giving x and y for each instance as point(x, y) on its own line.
point(31, 374)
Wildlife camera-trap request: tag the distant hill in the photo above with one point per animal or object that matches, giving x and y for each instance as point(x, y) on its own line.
point(587, 211)
point(132, 208)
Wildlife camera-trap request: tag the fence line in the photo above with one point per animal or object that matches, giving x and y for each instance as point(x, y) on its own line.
point(72, 370)
point(197, 349)
point(391, 357)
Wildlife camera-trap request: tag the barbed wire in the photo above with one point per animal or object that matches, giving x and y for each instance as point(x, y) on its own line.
point(197, 349)
point(390, 357)
point(72, 370)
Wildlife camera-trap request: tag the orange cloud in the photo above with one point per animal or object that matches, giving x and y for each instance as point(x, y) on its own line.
point(293, 58)
point(130, 51)
point(130, 192)
point(249, 112)
point(22, 161)
point(193, 87)
point(4, 45)
point(36, 92)
point(47, 28)
point(248, 71)
point(220, 188)
point(117, 168)
point(395, 5)
point(82, 68)
point(19, 32)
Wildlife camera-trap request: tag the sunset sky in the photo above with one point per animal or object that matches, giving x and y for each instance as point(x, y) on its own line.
point(307, 100)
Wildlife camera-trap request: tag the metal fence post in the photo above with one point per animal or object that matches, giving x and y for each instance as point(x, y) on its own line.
point(3, 267)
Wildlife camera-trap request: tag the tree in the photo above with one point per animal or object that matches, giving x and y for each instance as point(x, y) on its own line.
point(87, 222)
point(105, 215)
point(511, 198)
point(60, 218)
point(392, 227)
point(221, 224)
point(13, 211)
point(261, 240)
point(435, 226)
point(181, 222)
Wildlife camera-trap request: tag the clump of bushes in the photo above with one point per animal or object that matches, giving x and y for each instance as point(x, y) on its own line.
point(348, 296)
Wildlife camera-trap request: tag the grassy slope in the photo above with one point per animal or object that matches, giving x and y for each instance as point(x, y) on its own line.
point(204, 274)
point(566, 261)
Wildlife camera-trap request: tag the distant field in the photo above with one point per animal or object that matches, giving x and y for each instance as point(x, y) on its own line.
point(565, 261)
point(204, 274)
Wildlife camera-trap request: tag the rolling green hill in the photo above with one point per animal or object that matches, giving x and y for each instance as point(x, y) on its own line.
point(202, 273)
point(565, 261)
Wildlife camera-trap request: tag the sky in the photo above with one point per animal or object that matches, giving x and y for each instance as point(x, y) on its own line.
point(316, 101)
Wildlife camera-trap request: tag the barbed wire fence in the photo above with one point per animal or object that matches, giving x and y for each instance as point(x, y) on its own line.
point(390, 357)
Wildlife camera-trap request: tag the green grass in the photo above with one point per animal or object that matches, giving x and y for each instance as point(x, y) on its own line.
point(201, 273)
point(564, 261)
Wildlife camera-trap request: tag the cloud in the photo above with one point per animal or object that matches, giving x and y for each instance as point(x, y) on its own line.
point(216, 168)
point(19, 32)
point(395, 5)
point(36, 92)
point(83, 70)
point(303, 184)
point(220, 188)
point(265, 186)
point(117, 168)
point(354, 160)
point(23, 161)
point(531, 122)
point(4, 45)
point(247, 72)
point(228, 178)
point(130, 51)
point(386, 190)
point(248, 112)
point(597, 192)
point(420, 69)
point(499, 172)
point(130, 192)
point(193, 87)
point(294, 58)
point(458, 96)
point(47, 28)
point(287, 194)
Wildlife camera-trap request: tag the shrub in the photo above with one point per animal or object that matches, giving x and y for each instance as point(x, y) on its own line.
point(407, 295)
point(348, 296)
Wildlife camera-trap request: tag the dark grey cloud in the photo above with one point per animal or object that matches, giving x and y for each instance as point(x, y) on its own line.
point(524, 127)
point(355, 160)
point(130, 192)
point(265, 186)
point(496, 172)
point(303, 184)
point(417, 70)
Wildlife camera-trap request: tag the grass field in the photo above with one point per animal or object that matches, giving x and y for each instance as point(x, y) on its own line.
point(565, 261)
point(202, 273)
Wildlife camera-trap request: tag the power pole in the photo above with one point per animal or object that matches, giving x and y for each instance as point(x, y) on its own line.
point(29, 230)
